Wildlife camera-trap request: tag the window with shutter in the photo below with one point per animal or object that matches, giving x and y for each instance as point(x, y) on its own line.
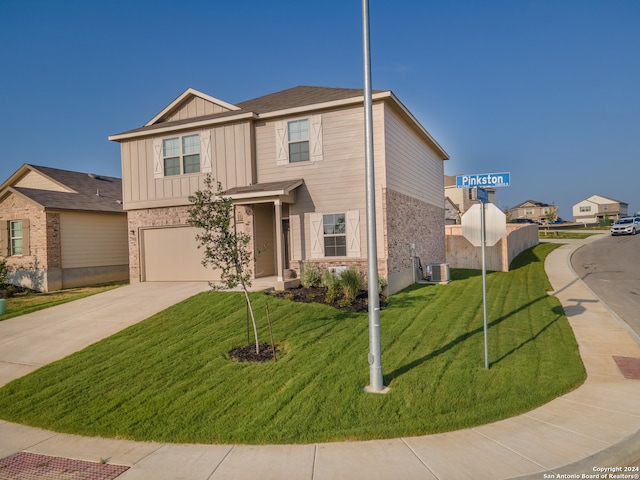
point(18, 237)
point(299, 141)
point(179, 155)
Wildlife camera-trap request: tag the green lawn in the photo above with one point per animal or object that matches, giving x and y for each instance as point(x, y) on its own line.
point(27, 302)
point(169, 378)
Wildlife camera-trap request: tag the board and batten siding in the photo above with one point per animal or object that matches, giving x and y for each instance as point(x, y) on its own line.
point(91, 240)
point(412, 167)
point(194, 108)
point(230, 153)
point(333, 184)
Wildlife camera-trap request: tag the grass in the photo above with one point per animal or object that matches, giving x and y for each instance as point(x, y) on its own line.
point(169, 378)
point(27, 302)
point(557, 234)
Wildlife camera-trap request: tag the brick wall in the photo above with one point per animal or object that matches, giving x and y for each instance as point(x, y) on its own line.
point(44, 259)
point(408, 220)
point(169, 217)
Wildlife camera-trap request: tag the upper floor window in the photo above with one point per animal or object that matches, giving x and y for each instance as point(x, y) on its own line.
point(298, 137)
point(15, 243)
point(585, 208)
point(181, 155)
point(299, 141)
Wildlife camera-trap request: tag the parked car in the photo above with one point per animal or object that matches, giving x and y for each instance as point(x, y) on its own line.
point(524, 220)
point(556, 222)
point(626, 226)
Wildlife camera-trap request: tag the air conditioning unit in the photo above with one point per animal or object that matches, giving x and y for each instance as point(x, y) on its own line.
point(439, 272)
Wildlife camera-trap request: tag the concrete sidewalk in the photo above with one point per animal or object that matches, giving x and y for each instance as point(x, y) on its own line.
point(595, 426)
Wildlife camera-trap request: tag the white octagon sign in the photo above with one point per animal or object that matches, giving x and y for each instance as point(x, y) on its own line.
point(495, 224)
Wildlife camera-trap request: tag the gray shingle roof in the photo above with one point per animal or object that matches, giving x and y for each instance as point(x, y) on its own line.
point(295, 97)
point(91, 193)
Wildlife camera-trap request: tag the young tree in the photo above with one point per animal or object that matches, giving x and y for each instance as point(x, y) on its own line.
point(225, 248)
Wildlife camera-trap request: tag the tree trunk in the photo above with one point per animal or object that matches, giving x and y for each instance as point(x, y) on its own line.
point(253, 318)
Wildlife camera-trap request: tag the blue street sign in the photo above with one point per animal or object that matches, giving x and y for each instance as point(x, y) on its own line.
point(482, 195)
point(484, 180)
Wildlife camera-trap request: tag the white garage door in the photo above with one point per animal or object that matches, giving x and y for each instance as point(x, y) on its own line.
point(172, 254)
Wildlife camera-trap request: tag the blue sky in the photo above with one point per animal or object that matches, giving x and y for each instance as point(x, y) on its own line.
point(548, 90)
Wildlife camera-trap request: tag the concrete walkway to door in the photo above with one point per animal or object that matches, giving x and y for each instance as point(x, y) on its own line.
point(30, 341)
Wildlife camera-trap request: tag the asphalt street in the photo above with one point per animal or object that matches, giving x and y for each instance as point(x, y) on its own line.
point(610, 267)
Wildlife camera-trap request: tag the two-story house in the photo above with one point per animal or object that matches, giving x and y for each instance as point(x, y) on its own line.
point(294, 164)
point(597, 208)
point(539, 212)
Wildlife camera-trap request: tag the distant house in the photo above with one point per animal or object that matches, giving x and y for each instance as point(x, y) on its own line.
point(294, 164)
point(539, 212)
point(62, 229)
point(459, 200)
point(597, 208)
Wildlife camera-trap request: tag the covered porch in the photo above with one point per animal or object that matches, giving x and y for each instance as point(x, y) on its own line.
point(268, 205)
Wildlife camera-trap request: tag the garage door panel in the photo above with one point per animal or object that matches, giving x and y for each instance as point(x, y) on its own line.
point(172, 254)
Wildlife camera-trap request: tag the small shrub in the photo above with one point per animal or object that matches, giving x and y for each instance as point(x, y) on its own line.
point(310, 297)
point(4, 270)
point(330, 280)
point(311, 276)
point(382, 284)
point(330, 297)
point(345, 302)
point(351, 282)
point(289, 296)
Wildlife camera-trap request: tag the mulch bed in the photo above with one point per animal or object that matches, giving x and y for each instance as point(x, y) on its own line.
point(318, 295)
point(32, 466)
point(248, 353)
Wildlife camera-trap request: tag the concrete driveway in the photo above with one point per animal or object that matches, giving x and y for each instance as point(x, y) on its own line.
point(30, 341)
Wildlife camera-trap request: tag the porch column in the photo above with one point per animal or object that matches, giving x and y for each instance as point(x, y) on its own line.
point(279, 243)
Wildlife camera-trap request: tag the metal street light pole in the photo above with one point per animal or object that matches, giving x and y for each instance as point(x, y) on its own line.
point(375, 356)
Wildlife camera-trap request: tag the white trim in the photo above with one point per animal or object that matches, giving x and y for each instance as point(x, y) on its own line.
point(183, 126)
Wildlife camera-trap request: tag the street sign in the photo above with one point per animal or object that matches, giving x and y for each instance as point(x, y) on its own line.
point(495, 224)
point(482, 195)
point(484, 180)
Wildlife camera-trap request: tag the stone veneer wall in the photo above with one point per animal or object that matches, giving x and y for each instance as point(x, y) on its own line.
point(171, 217)
point(408, 220)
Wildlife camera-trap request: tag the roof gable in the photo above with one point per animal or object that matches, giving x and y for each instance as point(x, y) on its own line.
point(191, 104)
point(52, 188)
point(532, 203)
point(32, 178)
point(602, 200)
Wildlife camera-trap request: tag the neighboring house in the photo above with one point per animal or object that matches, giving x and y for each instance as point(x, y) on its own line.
point(597, 208)
point(452, 215)
point(62, 229)
point(539, 212)
point(294, 164)
point(459, 200)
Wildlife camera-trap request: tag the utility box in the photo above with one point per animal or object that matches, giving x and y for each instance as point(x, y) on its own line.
point(440, 272)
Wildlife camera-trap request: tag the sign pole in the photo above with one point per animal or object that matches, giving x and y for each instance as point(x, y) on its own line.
point(483, 240)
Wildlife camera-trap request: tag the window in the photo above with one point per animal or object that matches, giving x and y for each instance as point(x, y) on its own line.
point(181, 155)
point(528, 211)
point(298, 137)
point(585, 208)
point(335, 235)
point(15, 242)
